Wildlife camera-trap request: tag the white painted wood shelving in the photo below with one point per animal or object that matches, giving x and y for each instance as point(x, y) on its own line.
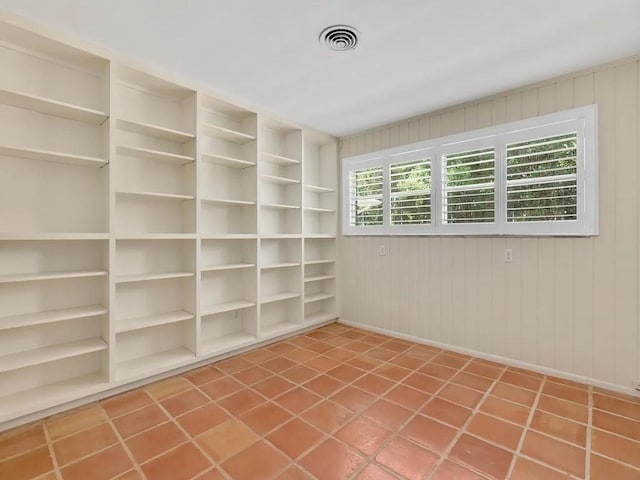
point(146, 225)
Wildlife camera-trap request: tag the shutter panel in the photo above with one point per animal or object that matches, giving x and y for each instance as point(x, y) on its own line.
point(542, 179)
point(469, 187)
point(365, 192)
point(411, 192)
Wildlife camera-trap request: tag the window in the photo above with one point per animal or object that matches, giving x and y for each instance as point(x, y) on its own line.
point(410, 192)
point(533, 177)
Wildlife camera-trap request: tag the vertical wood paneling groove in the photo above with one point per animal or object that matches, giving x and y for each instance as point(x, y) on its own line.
point(569, 304)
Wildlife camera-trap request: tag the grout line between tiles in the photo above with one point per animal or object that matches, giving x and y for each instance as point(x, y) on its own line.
point(587, 460)
point(463, 428)
point(523, 435)
point(52, 454)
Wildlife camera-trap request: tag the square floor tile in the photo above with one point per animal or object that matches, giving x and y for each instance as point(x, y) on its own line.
point(202, 419)
point(564, 457)
point(27, 465)
point(482, 456)
point(407, 459)
point(327, 416)
point(363, 435)
point(387, 414)
point(295, 437)
point(344, 461)
point(227, 439)
point(84, 443)
point(139, 420)
point(182, 463)
point(258, 462)
point(155, 441)
point(21, 440)
point(241, 401)
point(185, 402)
point(102, 466)
point(432, 435)
point(266, 417)
point(298, 400)
point(498, 431)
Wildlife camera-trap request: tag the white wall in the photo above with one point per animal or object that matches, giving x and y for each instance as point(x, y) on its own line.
point(569, 304)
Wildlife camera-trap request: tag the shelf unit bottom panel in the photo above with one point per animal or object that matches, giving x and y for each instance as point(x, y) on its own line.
point(226, 343)
point(29, 401)
point(152, 364)
point(276, 329)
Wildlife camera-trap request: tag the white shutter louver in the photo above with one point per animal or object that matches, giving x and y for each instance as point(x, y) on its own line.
point(411, 192)
point(469, 187)
point(542, 179)
point(366, 188)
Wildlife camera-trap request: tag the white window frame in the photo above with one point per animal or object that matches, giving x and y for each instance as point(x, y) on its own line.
point(582, 120)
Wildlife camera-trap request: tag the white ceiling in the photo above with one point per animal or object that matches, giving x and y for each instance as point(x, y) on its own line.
point(415, 56)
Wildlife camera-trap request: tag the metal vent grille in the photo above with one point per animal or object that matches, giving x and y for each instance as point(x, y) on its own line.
point(340, 37)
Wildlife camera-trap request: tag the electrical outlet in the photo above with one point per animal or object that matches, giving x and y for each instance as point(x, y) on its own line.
point(508, 255)
point(383, 250)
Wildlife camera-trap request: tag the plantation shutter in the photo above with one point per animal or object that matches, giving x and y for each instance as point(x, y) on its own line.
point(366, 196)
point(410, 194)
point(542, 179)
point(469, 187)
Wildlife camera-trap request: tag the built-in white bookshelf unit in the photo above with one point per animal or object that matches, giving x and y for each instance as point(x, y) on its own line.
point(320, 302)
point(145, 225)
point(154, 173)
point(320, 187)
point(155, 305)
point(228, 294)
point(280, 169)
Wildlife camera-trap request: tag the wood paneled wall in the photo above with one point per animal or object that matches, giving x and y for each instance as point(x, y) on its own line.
point(569, 304)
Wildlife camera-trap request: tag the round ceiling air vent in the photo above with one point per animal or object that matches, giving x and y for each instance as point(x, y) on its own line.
point(340, 37)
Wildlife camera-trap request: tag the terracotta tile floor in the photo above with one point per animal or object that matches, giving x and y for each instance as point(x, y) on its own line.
point(339, 403)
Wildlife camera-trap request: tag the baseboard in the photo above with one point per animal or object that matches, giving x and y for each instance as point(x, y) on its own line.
point(496, 358)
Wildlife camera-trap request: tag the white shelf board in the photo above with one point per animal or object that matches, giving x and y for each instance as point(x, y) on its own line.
point(155, 363)
point(53, 236)
point(281, 206)
point(278, 329)
point(156, 236)
point(318, 278)
point(319, 261)
point(319, 210)
point(280, 159)
point(280, 180)
point(140, 323)
point(225, 307)
point(147, 277)
point(155, 195)
point(226, 161)
point(51, 353)
point(228, 134)
point(320, 317)
point(230, 266)
point(155, 155)
point(37, 277)
point(280, 236)
point(22, 403)
point(318, 189)
point(154, 130)
point(280, 265)
point(229, 236)
point(316, 297)
point(311, 236)
point(226, 343)
point(278, 297)
point(51, 156)
point(225, 201)
point(52, 107)
point(51, 316)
